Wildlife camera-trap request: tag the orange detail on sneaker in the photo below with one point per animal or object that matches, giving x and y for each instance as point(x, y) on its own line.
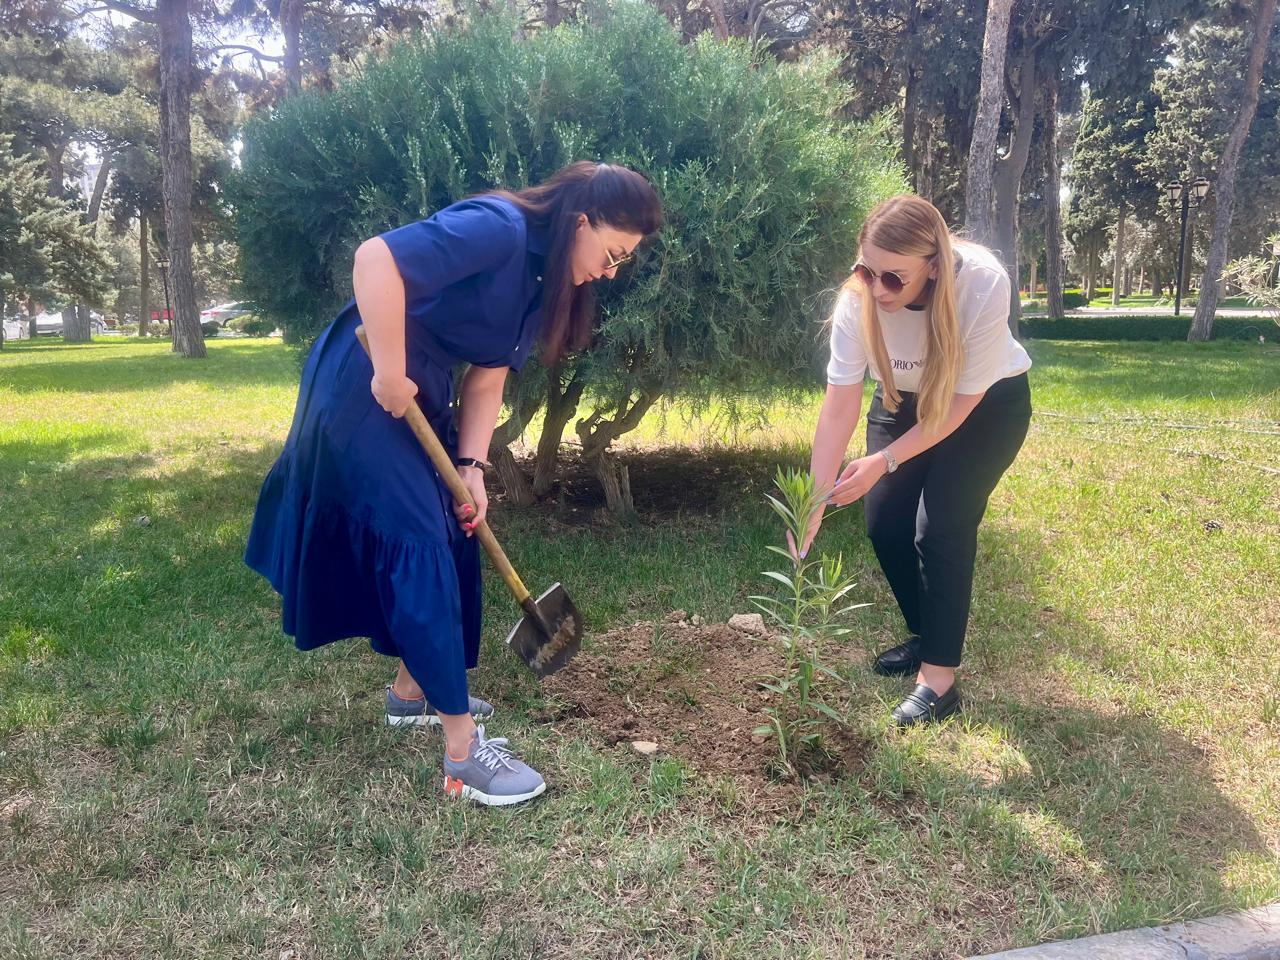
point(453, 786)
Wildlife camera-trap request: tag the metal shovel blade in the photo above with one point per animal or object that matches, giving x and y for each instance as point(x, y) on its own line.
point(549, 634)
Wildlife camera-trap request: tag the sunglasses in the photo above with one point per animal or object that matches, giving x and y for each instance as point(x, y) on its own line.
point(609, 262)
point(891, 281)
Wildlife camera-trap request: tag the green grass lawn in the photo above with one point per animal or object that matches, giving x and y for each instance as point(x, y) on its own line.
point(1148, 300)
point(177, 780)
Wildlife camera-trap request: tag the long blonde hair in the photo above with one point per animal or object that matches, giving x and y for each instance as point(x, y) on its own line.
point(912, 227)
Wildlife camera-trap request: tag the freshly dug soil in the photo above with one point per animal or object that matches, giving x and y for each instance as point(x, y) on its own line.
point(694, 689)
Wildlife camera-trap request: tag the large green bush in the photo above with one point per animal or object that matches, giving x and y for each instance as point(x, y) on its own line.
point(764, 184)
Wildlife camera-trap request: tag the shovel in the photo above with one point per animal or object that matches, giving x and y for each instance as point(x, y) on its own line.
point(549, 634)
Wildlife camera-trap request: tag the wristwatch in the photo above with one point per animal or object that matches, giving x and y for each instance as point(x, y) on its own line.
point(473, 462)
point(889, 459)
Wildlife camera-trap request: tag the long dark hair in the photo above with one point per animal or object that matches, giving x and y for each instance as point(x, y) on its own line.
point(610, 196)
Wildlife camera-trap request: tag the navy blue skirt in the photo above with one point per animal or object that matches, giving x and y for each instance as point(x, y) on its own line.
point(355, 530)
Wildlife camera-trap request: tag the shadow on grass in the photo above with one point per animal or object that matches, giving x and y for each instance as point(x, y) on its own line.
point(114, 367)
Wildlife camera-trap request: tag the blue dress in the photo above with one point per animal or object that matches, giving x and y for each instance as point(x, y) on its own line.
point(354, 529)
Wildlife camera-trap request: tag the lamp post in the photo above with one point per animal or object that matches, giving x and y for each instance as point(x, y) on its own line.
point(1184, 194)
point(163, 263)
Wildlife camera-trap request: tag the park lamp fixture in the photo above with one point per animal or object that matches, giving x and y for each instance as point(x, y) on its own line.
point(1197, 189)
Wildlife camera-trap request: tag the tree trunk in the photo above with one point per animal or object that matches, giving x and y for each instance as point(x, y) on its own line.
point(1142, 279)
point(597, 434)
point(986, 125)
point(924, 182)
point(616, 481)
point(561, 406)
point(719, 23)
point(54, 157)
point(515, 483)
point(77, 326)
point(687, 29)
point(175, 161)
point(144, 277)
point(1117, 261)
point(1053, 206)
point(99, 189)
point(1008, 178)
point(1202, 325)
point(553, 13)
point(291, 27)
point(910, 107)
point(1031, 287)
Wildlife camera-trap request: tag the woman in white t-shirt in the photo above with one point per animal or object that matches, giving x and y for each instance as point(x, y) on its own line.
point(928, 315)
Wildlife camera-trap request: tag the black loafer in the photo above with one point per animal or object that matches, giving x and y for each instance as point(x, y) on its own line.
point(901, 660)
point(922, 705)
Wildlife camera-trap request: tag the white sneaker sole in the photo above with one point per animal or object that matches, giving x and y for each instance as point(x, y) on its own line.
point(427, 720)
point(488, 799)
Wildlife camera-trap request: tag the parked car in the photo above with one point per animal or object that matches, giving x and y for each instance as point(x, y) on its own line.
point(16, 328)
point(50, 323)
point(223, 312)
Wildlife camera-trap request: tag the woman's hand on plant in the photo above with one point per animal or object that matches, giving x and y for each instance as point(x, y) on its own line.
point(858, 477)
point(814, 523)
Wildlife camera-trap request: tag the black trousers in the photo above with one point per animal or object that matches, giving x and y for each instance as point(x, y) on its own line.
point(923, 518)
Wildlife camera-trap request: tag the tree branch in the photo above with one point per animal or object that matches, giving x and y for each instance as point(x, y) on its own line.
point(241, 48)
point(1011, 93)
point(128, 9)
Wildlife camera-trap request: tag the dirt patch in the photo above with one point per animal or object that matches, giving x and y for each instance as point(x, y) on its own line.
point(696, 690)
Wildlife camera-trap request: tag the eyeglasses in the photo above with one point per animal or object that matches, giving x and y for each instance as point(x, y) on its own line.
point(612, 264)
point(891, 281)
point(609, 262)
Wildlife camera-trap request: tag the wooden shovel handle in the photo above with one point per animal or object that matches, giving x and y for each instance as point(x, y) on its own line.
point(449, 473)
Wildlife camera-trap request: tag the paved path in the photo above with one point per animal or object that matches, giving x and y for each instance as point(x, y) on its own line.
point(1252, 935)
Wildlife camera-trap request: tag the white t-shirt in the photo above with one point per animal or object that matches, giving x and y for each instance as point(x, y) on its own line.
point(982, 299)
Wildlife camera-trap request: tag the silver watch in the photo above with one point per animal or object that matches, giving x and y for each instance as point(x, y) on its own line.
point(889, 459)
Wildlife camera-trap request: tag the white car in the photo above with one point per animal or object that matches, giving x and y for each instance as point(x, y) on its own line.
point(223, 312)
point(16, 328)
point(50, 323)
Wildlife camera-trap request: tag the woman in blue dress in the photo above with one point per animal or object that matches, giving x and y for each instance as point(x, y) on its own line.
point(354, 528)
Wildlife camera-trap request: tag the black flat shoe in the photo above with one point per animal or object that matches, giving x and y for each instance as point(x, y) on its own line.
point(922, 705)
point(901, 660)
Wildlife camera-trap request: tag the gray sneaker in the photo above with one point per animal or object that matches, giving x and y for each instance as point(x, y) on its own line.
point(491, 774)
point(419, 713)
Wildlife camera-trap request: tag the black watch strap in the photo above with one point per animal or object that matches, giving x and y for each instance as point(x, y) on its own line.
point(473, 462)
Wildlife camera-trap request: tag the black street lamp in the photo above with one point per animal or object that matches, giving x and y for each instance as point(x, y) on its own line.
point(163, 263)
point(1183, 194)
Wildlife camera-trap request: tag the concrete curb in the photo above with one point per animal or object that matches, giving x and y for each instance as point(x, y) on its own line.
point(1251, 935)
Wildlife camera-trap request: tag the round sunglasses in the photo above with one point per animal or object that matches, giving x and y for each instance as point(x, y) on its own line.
point(891, 281)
